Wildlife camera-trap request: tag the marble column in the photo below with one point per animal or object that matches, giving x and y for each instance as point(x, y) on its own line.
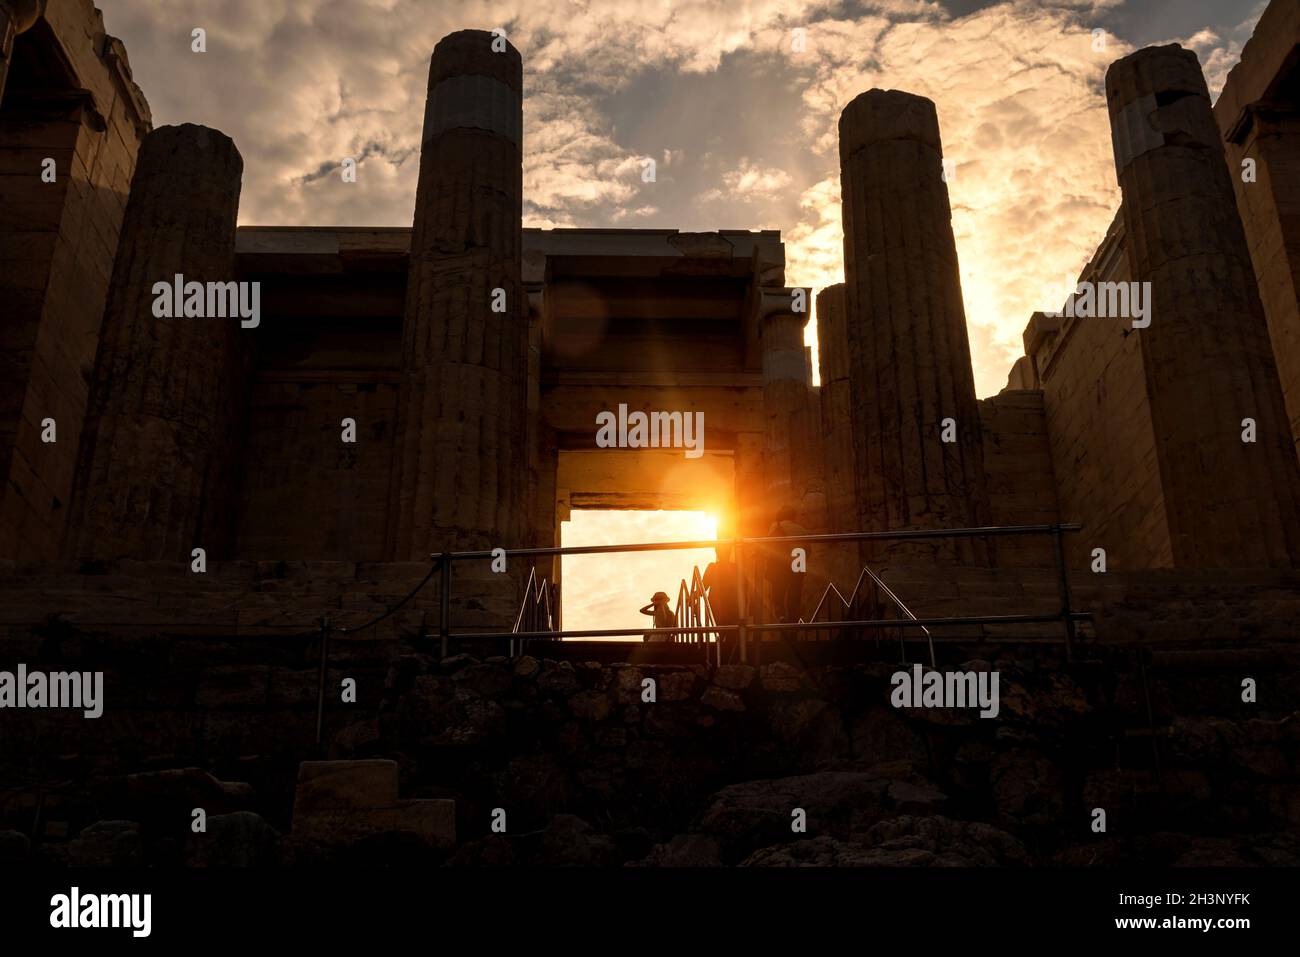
point(460, 462)
point(1206, 353)
point(157, 471)
point(909, 358)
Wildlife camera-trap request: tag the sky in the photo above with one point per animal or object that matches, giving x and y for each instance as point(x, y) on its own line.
point(737, 102)
point(608, 589)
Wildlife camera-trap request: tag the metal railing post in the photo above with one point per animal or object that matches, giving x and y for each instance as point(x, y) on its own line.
point(742, 635)
point(1067, 615)
point(320, 679)
point(444, 602)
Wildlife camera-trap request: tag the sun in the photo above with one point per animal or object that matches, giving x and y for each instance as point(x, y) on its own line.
point(606, 590)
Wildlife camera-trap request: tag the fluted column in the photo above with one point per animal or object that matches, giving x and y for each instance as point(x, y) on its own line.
point(156, 472)
point(1206, 352)
point(786, 397)
point(458, 481)
point(909, 358)
point(837, 431)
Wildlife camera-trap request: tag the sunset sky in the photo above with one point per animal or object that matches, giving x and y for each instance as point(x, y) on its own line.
point(736, 106)
point(740, 122)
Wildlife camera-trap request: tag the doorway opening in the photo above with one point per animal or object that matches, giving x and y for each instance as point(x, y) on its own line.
point(607, 590)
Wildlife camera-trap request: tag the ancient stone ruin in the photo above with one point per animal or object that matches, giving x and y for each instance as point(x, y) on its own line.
point(285, 645)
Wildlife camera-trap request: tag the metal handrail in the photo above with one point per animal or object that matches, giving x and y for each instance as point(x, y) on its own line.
point(901, 535)
point(537, 594)
point(889, 593)
point(848, 604)
point(694, 611)
point(1065, 616)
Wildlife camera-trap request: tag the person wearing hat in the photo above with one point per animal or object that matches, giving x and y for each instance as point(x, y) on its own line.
point(661, 614)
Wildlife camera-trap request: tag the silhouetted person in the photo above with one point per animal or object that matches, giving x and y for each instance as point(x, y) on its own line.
point(660, 614)
point(787, 584)
point(720, 583)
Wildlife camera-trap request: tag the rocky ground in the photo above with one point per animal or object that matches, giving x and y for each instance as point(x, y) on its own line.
point(770, 766)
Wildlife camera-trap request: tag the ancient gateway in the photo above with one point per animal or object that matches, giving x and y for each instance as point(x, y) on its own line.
point(214, 437)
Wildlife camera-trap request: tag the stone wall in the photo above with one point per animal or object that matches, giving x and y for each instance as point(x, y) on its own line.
point(1018, 469)
point(1098, 415)
point(307, 494)
point(57, 243)
point(589, 772)
point(1259, 115)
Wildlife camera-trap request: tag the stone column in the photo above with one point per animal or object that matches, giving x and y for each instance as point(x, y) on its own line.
point(791, 436)
point(1206, 353)
point(156, 473)
point(837, 431)
point(786, 395)
point(458, 480)
point(1269, 206)
point(909, 358)
point(16, 16)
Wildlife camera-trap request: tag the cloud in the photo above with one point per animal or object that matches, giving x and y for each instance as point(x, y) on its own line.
point(741, 124)
point(1219, 54)
point(749, 183)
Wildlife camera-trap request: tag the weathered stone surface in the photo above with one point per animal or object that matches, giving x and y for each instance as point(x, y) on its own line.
point(590, 705)
point(744, 817)
point(791, 435)
point(811, 727)
point(241, 839)
point(839, 435)
point(1184, 236)
point(684, 850)
point(457, 476)
point(1027, 789)
point(734, 677)
point(782, 676)
point(491, 851)
point(1261, 131)
point(628, 686)
point(676, 685)
point(902, 842)
point(102, 844)
point(334, 784)
point(908, 350)
point(558, 677)
point(339, 802)
point(569, 841)
point(58, 242)
point(437, 714)
point(715, 697)
point(361, 739)
point(879, 736)
point(174, 793)
point(489, 680)
point(168, 393)
point(14, 847)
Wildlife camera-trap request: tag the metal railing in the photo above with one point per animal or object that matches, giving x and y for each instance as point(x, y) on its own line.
point(851, 605)
point(693, 610)
point(537, 610)
point(747, 629)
